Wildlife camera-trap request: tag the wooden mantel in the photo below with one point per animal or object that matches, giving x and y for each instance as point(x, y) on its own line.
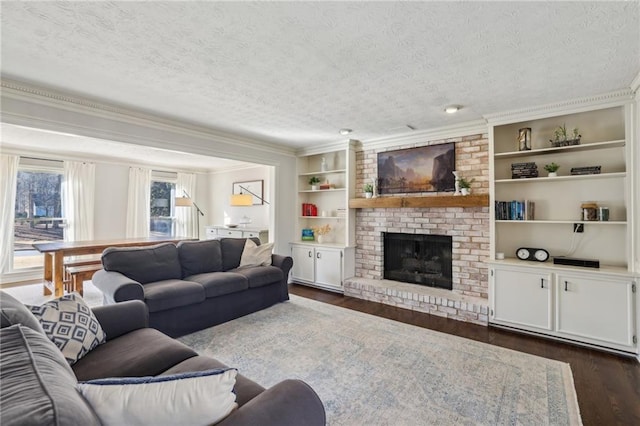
point(474, 200)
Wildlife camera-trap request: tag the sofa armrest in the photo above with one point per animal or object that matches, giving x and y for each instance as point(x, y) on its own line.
point(122, 318)
point(290, 402)
point(116, 287)
point(283, 262)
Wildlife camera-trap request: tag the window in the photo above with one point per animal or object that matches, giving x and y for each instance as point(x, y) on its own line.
point(38, 214)
point(162, 208)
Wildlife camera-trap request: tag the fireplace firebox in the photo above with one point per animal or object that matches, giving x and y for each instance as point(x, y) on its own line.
point(418, 258)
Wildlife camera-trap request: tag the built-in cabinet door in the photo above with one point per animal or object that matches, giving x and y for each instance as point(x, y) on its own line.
point(521, 298)
point(329, 267)
point(595, 308)
point(303, 263)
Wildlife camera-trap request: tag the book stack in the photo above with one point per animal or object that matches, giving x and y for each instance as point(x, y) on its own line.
point(307, 235)
point(309, 209)
point(341, 213)
point(524, 170)
point(589, 170)
point(515, 210)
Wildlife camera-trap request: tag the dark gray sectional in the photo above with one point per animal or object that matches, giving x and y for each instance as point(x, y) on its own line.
point(39, 386)
point(192, 285)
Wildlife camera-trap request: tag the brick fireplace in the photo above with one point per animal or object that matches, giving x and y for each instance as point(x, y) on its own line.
point(468, 228)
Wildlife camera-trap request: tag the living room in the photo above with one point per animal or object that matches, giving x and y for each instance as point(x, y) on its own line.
point(290, 102)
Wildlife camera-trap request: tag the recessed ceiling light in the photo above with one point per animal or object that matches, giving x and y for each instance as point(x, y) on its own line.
point(345, 131)
point(452, 109)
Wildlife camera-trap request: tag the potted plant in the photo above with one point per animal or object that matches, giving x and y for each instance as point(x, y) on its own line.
point(465, 185)
point(552, 169)
point(314, 181)
point(368, 190)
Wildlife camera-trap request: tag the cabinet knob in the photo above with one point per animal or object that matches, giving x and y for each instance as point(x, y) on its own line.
point(566, 283)
point(310, 255)
point(318, 255)
point(541, 282)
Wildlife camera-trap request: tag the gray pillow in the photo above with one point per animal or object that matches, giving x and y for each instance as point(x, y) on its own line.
point(144, 264)
point(199, 257)
point(12, 311)
point(38, 386)
point(232, 249)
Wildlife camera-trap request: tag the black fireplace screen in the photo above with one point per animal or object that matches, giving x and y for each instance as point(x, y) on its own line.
point(418, 259)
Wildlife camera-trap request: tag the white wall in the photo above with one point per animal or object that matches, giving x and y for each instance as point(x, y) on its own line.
point(220, 187)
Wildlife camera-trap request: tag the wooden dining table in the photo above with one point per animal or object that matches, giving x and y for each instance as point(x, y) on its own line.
point(55, 252)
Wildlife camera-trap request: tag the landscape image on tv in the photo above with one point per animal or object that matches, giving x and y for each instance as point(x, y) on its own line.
point(424, 169)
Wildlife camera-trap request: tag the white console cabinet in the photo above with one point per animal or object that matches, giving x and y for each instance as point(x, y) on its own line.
point(215, 232)
point(320, 266)
point(522, 297)
point(595, 308)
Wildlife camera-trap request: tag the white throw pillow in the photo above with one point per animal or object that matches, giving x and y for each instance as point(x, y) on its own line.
point(197, 398)
point(255, 255)
point(71, 325)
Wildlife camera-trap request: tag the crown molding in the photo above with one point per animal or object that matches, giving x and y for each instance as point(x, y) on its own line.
point(22, 91)
point(605, 100)
point(635, 85)
point(446, 132)
point(327, 147)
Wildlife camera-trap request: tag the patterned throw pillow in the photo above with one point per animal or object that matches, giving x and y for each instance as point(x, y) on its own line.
point(71, 325)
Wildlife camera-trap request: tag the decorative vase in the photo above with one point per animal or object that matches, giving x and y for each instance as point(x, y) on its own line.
point(553, 174)
point(465, 191)
point(368, 194)
point(457, 183)
point(320, 239)
point(315, 187)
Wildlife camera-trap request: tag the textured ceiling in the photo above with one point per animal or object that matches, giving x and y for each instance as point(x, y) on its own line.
point(296, 72)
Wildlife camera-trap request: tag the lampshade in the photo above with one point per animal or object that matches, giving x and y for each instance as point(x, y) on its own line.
point(183, 202)
point(241, 200)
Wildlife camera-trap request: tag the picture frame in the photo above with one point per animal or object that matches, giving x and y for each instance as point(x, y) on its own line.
point(423, 169)
point(255, 188)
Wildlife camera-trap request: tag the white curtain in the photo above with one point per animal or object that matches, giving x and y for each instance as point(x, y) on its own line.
point(78, 200)
point(8, 181)
point(186, 217)
point(139, 203)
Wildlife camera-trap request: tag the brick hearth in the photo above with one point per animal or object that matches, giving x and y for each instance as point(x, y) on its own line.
point(468, 227)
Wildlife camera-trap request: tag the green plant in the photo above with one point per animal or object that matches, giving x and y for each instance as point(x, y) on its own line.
point(464, 183)
point(314, 180)
point(551, 168)
point(367, 187)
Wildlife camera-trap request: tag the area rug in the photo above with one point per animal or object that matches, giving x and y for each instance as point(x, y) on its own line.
point(372, 371)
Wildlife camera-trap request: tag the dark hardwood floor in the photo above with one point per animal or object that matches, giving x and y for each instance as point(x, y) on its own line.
point(608, 385)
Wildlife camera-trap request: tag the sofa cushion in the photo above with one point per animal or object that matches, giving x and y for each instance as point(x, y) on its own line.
point(195, 398)
point(245, 389)
point(232, 249)
point(142, 352)
point(168, 294)
point(12, 312)
point(71, 325)
point(219, 283)
point(144, 264)
point(261, 275)
point(255, 255)
point(38, 387)
point(197, 257)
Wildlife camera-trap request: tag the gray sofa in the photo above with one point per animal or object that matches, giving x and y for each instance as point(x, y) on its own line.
point(39, 387)
point(194, 285)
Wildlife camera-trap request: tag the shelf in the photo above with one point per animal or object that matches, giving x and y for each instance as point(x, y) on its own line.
point(566, 222)
point(323, 173)
point(323, 190)
point(479, 200)
point(556, 150)
point(603, 269)
point(618, 175)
